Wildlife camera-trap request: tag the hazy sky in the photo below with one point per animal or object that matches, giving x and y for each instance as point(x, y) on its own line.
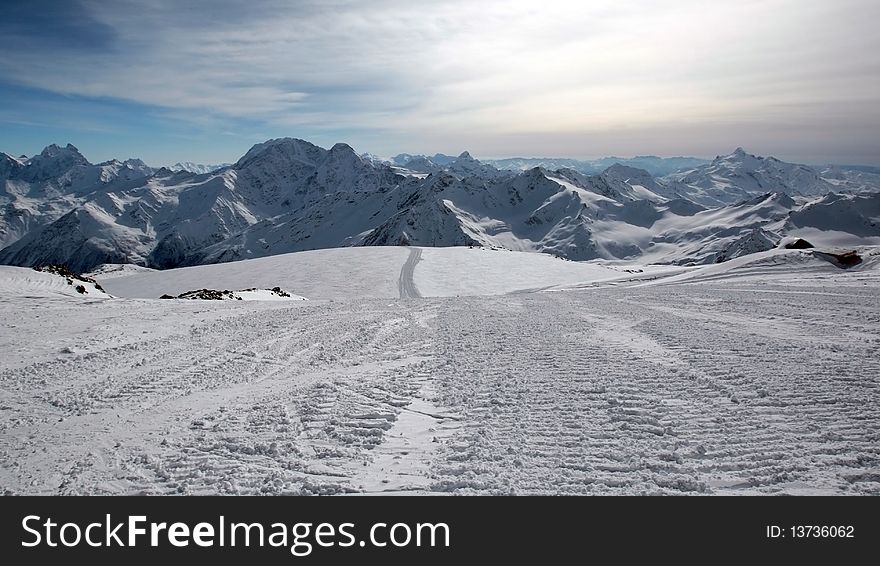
point(203, 81)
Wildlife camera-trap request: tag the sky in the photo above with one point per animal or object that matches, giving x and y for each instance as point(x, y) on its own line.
point(203, 81)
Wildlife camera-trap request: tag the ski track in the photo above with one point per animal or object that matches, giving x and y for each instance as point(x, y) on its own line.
point(406, 284)
point(691, 389)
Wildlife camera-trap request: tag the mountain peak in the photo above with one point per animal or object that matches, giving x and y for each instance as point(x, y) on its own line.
point(466, 156)
point(6, 156)
point(54, 150)
point(289, 147)
point(9, 164)
point(782, 198)
point(620, 169)
point(344, 153)
point(54, 159)
point(340, 146)
point(739, 154)
point(281, 142)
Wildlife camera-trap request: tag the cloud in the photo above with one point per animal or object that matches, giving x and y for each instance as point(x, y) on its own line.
point(47, 26)
point(412, 73)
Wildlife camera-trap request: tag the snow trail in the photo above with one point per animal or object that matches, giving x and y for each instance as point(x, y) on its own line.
point(406, 284)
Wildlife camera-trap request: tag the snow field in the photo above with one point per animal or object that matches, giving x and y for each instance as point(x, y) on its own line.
point(728, 383)
point(322, 274)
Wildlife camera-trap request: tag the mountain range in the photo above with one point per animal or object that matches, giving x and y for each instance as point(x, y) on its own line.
point(657, 166)
point(197, 167)
point(287, 195)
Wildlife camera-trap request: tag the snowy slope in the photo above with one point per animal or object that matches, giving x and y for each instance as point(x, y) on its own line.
point(321, 274)
point(381, 272)
point(444, 272)
point(851, 179)
point(111, 270)
point(716, 234)
point(25, 282)
point(730, 384)
point(405, 272)
point(841, 219)
point(760, 265)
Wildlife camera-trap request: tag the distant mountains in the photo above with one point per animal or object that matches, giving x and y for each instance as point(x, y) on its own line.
point(197, 167)
point(657, 166)
point(289, 195)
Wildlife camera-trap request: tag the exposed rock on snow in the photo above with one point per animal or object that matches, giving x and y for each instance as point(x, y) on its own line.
point(793, 243)
point(755, 241)
point(375, 272)
point(71, 277)
point(49, 281)
point(273, 294)
point(845, 259)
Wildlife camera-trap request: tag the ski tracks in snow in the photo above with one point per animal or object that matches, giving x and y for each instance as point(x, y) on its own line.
point(613, 392)
point(283, 400)
point(689, 389)
point(406, 284)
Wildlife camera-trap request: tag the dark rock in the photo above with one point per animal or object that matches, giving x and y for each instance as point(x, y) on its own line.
point(798, 244)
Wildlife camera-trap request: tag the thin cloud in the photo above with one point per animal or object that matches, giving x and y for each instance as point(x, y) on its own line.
point(483, 73)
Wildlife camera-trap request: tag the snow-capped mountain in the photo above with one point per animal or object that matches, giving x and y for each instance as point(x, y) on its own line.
point(850, 178)
point(439, 159)
point(565, 213)
point(657, 166)
point(287, 195)
point(168, 216)
point(197, 168)
point(38, 190)
point(740, 176)
point(462, 166)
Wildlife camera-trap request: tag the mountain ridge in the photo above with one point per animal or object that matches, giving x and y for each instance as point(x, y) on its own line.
point(287, 194)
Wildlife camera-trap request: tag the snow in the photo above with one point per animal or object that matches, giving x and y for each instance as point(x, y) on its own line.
point(416, 367)
point(445, 272)
point(588, 197)
point(322, 274)
point(288, 195)
point(373, 272)
point(197, 168)
point(644, 193)
point(756, 376)
point(111, 270)
point(265, 295)
point(820, 237)
point(21, 281)
point(759, 265)
point(740, 175)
